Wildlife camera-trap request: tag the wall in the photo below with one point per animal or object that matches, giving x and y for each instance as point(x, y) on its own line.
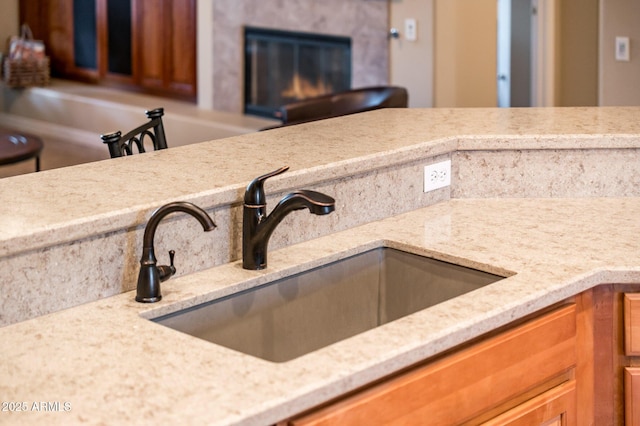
point(365, 21)
point(465, 53)
point(411, 62)
point(8, 22)
point(578, 81)
point(619, 81)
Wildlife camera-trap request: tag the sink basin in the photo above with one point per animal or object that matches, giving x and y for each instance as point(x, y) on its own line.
point(293, 316)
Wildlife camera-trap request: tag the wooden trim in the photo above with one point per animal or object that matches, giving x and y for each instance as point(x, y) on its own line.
point(585, 369)
point(604, 385)
point(609, 352)
point(102, 37)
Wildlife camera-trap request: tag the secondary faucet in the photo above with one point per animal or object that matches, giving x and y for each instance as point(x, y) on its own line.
point(257, 227)
point(151, 275)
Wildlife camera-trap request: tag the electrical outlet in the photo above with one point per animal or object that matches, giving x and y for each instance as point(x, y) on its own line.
point(437, 175)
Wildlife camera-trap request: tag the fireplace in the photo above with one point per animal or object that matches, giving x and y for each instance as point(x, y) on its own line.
point(285, 66)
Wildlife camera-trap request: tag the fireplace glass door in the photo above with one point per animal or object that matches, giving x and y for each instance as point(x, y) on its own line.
point(282, 67)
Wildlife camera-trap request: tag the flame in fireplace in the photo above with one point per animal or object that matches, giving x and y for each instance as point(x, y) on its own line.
point(301, 88)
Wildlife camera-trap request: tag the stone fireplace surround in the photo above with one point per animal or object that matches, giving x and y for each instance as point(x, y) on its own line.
point(364, 21)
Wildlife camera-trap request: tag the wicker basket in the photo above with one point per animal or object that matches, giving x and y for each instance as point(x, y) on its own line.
point(26, 72)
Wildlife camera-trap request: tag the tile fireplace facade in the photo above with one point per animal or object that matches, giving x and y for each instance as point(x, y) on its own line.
point(364, 21)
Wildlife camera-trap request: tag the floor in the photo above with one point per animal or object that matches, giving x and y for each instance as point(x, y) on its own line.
point(57, 153)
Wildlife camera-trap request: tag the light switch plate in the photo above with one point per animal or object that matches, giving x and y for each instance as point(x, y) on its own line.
point(622, 49)
point(410, 29)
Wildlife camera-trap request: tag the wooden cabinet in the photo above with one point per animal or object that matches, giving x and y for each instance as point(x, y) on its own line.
point(578, 364)
point(524, 375)
point(615, 344)
point(143, 45)
point(632, 395)
point(632, 349)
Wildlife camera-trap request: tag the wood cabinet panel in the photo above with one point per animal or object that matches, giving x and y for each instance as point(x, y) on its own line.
point(466, 384)
point(183, 46)
point(165, 45)
point(610, 330)
point(632, 395)
point(36, 14)
point(555, 407)
point(632, 324)
point(151, 35)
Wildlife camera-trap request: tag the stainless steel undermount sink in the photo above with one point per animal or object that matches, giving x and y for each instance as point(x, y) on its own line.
point(296, 315)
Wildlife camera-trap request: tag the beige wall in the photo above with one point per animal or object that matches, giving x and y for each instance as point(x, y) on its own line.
point(465, 53)
point(578, 80)
point(411, 62)
point(619, 81)
point(8, 22)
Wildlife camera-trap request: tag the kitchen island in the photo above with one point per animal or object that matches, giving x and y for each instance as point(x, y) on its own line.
point(95, 213)
point(531, 200)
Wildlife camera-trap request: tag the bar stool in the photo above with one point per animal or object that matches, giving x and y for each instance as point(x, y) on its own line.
point(120, 145)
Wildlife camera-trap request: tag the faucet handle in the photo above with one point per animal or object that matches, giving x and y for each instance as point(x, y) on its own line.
point(254, 194)
point(165, 272)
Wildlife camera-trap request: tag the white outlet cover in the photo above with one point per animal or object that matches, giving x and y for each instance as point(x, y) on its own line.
point(437, 175)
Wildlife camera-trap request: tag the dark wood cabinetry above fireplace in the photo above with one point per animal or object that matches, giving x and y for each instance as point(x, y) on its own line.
point(139, 45)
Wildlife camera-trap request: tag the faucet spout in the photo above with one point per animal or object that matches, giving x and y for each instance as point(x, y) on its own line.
point(150, 275)
point(317, 203)
point(257, 226)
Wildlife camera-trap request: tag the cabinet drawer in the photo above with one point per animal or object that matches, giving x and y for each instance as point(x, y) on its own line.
point(468, 383)
point(632, 324)
point(632, 395)
point(556, 407)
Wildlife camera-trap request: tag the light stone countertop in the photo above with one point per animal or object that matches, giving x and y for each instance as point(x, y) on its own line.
point(67, 204)
point(113, 366)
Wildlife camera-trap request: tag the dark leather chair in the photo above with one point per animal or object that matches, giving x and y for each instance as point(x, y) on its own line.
point(343, 103)
point(120, 145)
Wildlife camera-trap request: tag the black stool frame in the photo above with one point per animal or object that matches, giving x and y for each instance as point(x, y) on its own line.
point(120, 145)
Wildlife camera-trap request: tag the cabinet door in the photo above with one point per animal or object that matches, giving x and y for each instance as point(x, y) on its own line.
point(165, 45)
point(556, 407)
point(479, 382)
point(632, 395)
point(632, 324)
